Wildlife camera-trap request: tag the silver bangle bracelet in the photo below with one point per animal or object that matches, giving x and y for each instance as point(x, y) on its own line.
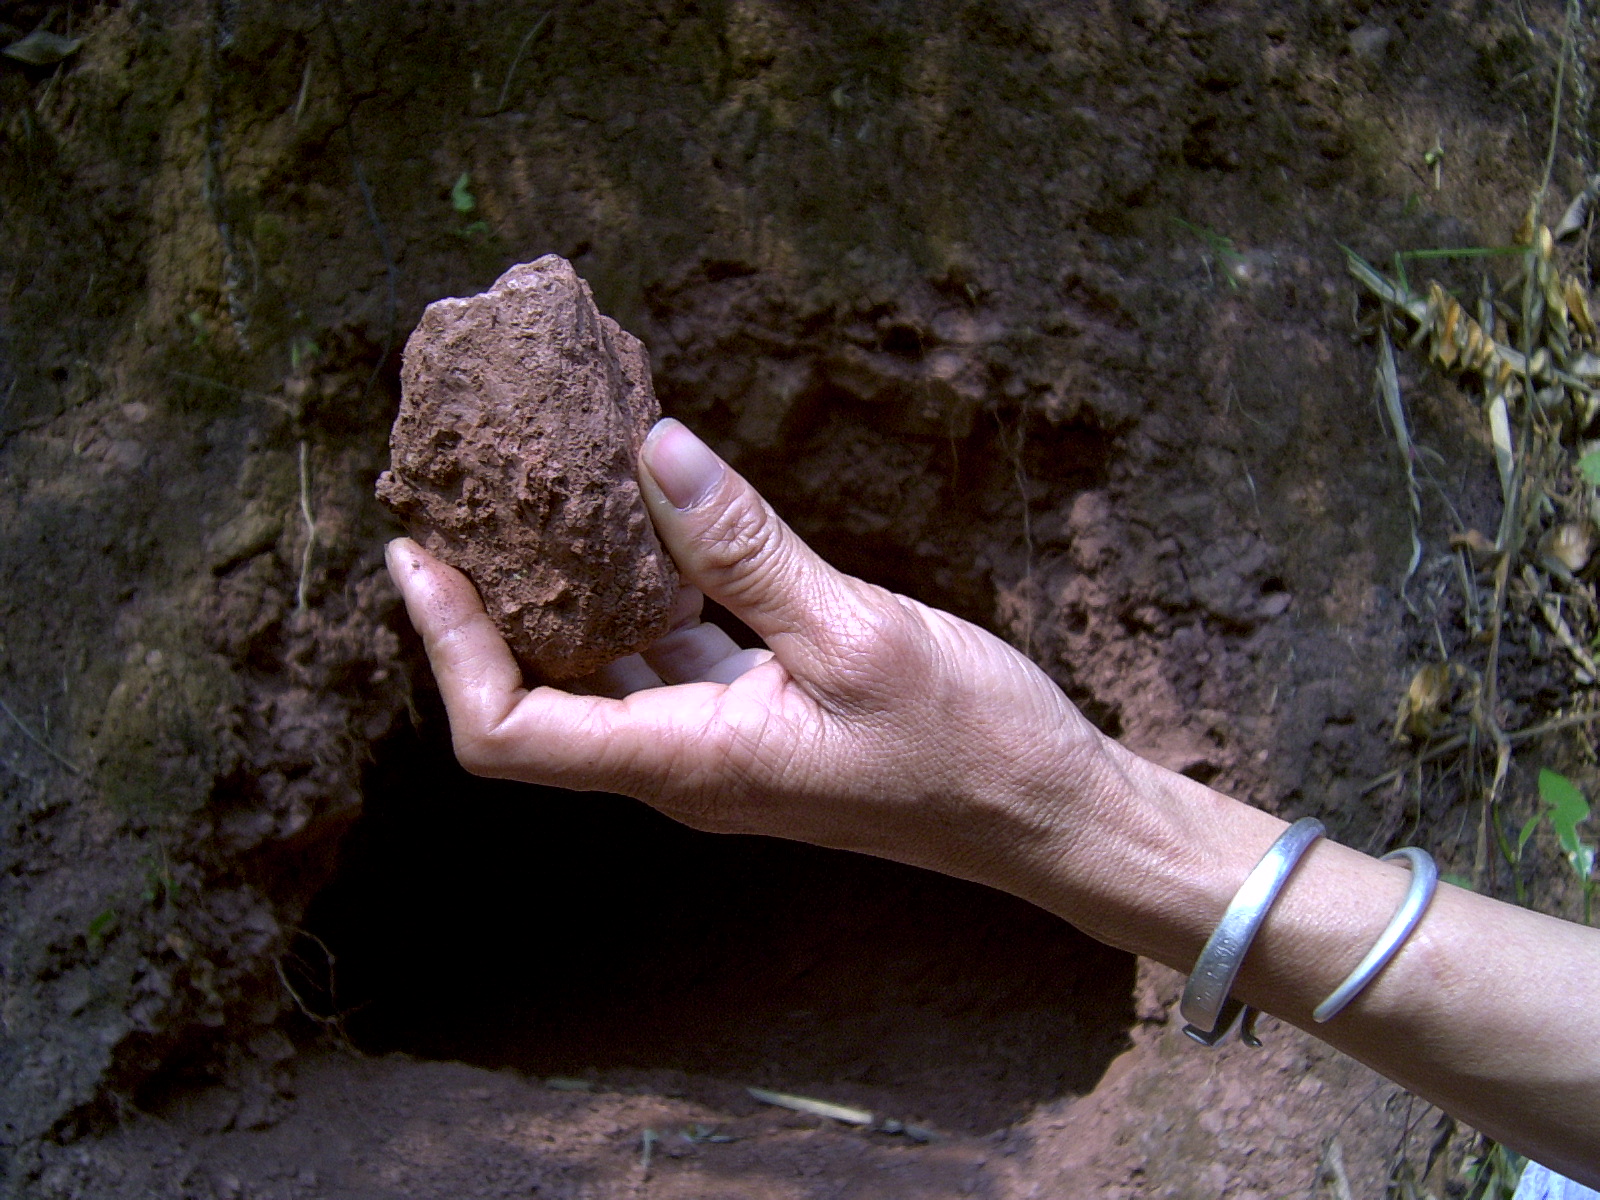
point(1205, 1006)
point(1424, 880)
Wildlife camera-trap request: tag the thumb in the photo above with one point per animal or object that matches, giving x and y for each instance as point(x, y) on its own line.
point(729, 543)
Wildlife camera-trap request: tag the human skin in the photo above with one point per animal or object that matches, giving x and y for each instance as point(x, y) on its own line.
point(877, 724)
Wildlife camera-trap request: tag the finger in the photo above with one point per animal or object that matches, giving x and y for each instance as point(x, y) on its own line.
point(619, 679)
point(735, 665)
point(686, 608)
point(477, 675)
point(652, 744)
point(635, 745)
point(686, 654)
point(729, 543)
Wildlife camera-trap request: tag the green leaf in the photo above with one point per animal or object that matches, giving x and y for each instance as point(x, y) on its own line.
point(1527, 832)
point(101, 928)
point(461, 197)
point(42, 48)
point(1568, 810)
point(302, 350)
point(1589, 467)
point(1463, 252)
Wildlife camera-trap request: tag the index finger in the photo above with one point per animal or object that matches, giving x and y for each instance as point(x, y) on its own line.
point(476, 673)
point(501, 728)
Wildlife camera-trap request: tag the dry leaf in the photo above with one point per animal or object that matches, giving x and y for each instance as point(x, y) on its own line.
point(1578, 211)
point(1504, 457)
point(1425, 705)
point(1524, 235)
point(1578, 305)
point(1476, 354)
point(812, 1107)
point(1475, 543)
point(1448, 349)
point(1555, 300)
point(1567, 548)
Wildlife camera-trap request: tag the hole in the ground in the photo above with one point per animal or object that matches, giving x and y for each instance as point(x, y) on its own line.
point(567, 934)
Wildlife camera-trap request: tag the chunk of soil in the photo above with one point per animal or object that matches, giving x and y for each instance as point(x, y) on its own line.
point(521, 416)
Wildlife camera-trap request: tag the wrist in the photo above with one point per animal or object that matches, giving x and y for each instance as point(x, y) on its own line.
point(1151, 858)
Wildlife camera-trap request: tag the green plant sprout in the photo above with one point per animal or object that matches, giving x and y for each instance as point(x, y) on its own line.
point(465, 203)
point(461, 197)
point(158, 882)
point(1218, 248)
point(1589, 467)
point(100, 929)
point(1402, 257)
point(302, 349)
point(1434, 158)
point(1567, 809)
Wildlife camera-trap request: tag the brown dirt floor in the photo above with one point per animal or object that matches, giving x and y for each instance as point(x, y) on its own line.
point(1036, 311)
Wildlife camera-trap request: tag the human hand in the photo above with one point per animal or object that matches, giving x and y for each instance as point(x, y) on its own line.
point(872, 722)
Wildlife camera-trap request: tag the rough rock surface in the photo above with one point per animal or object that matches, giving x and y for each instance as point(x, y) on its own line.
point(512, 459)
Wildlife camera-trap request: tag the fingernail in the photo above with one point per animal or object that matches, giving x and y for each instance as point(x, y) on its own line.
point(682, 465)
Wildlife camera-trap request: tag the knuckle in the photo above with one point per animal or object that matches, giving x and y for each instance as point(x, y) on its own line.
point(885, 624)
point(742, 536)
point(480, 752)
point(875, 646)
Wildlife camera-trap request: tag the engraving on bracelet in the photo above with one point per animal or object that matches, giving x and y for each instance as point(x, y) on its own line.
point(1205, 1005)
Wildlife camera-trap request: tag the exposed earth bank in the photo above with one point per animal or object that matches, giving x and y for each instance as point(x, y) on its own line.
point(1036, 312)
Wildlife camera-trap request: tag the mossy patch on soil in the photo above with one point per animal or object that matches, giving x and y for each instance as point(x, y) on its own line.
point(164, 736)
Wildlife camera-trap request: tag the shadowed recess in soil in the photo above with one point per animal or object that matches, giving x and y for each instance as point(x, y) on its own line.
point(565, 934)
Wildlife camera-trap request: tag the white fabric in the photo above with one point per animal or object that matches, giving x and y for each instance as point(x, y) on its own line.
point(1541, 1183)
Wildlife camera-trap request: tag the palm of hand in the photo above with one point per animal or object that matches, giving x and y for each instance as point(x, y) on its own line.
point(871, 723)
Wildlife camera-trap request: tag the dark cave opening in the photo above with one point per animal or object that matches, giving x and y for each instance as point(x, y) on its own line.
point(566, 934)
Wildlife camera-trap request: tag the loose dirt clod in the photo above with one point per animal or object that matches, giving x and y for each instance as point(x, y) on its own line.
point(512, 459)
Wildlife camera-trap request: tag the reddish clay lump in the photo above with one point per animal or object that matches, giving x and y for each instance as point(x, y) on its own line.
point(521, 416)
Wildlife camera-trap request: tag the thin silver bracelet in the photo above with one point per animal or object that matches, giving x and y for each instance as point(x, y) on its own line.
point(1206, 1006)
point(1424, 880)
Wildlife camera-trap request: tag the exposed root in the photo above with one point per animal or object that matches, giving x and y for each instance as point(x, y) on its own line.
point(66, 763)
point(311, 528)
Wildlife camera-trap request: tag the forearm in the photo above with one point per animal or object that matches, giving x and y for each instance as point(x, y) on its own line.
point(1490, 1011)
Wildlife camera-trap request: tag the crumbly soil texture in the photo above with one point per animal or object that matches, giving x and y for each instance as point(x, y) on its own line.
point(1035, 311)
point(522, 412)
